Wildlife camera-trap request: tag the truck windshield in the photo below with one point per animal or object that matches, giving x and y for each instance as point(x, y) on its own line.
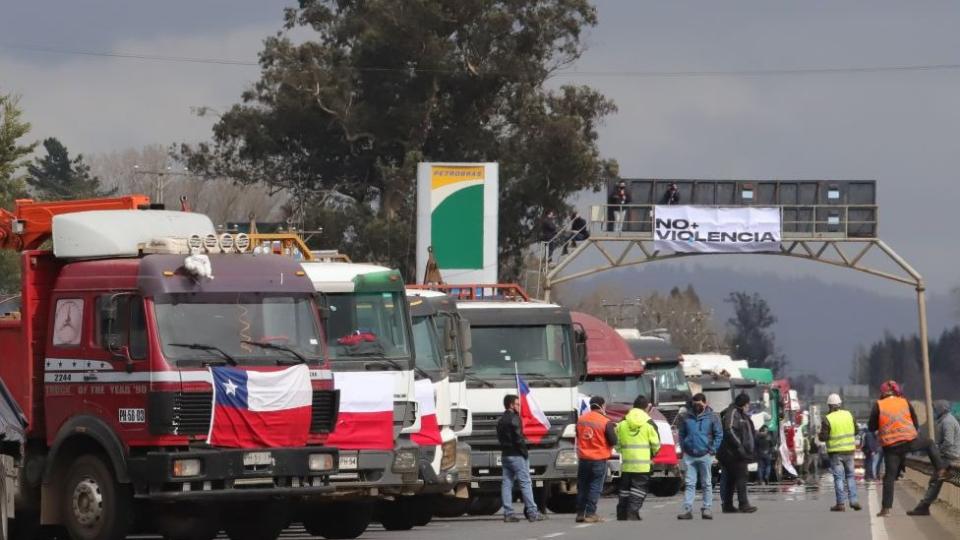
point(367, 326)
point(540, 351)
point(227, 320)
point(668, 377)
point(426, 344)
point(615, 390)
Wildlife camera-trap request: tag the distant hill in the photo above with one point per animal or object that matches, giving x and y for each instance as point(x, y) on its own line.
point(820, 324)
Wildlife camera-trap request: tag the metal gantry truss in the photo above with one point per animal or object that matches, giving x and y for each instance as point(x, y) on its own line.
point(622, 250)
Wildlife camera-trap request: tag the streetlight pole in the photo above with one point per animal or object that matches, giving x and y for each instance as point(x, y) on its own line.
point(161, 175)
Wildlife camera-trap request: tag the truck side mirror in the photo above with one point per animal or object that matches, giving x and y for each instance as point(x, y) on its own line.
point(580, 339)
point(466, 342)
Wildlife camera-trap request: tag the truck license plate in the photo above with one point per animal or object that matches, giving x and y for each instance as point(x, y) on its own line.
point(348, 463)
point(499, 461)
point(251, 459)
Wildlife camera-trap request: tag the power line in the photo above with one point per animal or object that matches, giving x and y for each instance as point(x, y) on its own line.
point(848, 70)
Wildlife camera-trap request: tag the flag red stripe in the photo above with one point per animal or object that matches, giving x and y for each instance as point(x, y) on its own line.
point(241, 428)
point(667, 455)
point(533, 430)
point(363, 431)
point(429, 434)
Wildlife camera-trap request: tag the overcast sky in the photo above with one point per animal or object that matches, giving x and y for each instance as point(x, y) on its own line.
point(900, 128)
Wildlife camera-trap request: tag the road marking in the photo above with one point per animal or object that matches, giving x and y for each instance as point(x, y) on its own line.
point(553, 535)
point(877, 526)
point(581, 526)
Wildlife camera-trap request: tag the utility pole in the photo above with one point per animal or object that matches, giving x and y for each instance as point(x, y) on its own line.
point(161, 179)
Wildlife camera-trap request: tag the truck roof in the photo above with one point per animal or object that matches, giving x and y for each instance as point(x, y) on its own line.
point(607, 352)
point(653, 351)
point(426, 303)
point(341, 277)
point(121, 233)
point(513, 313)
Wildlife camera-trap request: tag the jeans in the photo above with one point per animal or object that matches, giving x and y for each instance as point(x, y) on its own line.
point(517, 469)
point(590, 477)
point(844, 481)
point(765, 469)
point(734, 479)
point(619, 217)
point(894, 456)
point(698, 472)
point(871, 466)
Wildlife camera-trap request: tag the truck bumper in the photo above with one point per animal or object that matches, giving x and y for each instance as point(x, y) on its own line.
point(487, 472)
point(371, 473)
point(226, 474)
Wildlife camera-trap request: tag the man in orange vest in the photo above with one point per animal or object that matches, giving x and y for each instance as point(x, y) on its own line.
point(596, 437)
point(896, 422)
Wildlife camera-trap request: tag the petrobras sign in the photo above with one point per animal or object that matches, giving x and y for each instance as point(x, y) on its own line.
point(700, 229)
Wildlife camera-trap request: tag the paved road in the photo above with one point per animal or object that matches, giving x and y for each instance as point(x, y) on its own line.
point(786, 513)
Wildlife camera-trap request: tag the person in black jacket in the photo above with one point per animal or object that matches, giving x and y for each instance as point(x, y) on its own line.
point(736, 452)
point(578, 228)
point(671, 196)
point(516, 467)
point(617, 207)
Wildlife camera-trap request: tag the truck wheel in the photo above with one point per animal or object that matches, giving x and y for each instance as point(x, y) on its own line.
point(95, 505)
point(396, 515)
point(483, 505)
point(188, 523)
point(451, 507)
point(423, 510)
point(665, 487)
point(562, 503)
point(340, 520)
point(256, 522)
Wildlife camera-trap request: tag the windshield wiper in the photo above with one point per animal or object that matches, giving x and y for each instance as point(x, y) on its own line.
point(209, 348)
point(546, 378)
point(484, 382)
point(275, 347)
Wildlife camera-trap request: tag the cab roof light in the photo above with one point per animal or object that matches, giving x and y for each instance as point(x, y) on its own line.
point(168, 273)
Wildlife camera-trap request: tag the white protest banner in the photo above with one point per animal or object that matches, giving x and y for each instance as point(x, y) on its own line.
point(700, 229)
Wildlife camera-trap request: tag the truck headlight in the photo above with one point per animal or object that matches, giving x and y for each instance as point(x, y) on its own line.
point(567, 458)
point(405, 460)
point(449, 456)
point(463, 461)
point(187, 467)
point(320, 462)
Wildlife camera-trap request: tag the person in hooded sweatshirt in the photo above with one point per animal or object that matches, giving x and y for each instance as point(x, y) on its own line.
point(948, 441)
point(700, 438)
point(637, 443)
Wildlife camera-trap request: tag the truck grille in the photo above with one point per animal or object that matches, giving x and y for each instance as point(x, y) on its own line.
point(189, 412)
point(484, 435)
point(459, 419)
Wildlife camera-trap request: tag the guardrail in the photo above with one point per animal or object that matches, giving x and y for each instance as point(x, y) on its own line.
point(919, 470)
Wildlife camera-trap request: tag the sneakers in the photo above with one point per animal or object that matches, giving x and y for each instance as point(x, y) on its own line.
point(748, 510)
point(920, 510)
point(686, 516)
point(580, 518)
point(593, 518)
point(706, 514)
point(540, 517)
point(856, 506)
point(838, 508)
point(512, 518)
point(884, 513)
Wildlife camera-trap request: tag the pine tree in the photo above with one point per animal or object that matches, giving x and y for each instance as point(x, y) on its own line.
point(57, 177)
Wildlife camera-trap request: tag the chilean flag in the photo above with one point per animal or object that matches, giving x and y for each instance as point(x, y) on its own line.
point(257, 409)
point(365, 421)
point(534, 423)
point(429, 434)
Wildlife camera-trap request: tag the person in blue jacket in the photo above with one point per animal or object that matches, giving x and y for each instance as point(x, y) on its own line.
point(700, 437)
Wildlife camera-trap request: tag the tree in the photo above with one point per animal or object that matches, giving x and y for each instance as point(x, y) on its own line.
point(750, 337)
point(12, 184)
point(57, 177)
point(341, 119)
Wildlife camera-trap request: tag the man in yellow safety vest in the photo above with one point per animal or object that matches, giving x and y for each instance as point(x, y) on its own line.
point(839, 431)
point(637, 443)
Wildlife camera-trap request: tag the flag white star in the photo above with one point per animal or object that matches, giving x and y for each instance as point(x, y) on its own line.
point(230, 387)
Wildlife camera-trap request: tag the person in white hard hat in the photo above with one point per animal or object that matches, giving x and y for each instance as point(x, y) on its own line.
point(839, 431)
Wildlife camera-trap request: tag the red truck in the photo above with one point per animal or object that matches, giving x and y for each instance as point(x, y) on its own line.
point(108, 356)
point(614, 372)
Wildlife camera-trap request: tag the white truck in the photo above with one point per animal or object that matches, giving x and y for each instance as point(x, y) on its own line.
point(513, 335)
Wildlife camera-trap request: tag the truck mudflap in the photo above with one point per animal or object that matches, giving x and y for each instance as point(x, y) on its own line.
point(370, 473)
point(223, 474)
point(487, 472)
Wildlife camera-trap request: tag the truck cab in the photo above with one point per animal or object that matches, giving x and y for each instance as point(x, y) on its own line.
point(513, 336)
point(369, 341)
point(111, 356)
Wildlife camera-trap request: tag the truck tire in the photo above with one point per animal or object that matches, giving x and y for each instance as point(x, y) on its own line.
point(340, 520)
point(397, 515)
point(256, 522)
point(562, 503)
point(665, 487)
point(451, 507)
point(483, 505)
point(182, 522)
point(95, 505)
